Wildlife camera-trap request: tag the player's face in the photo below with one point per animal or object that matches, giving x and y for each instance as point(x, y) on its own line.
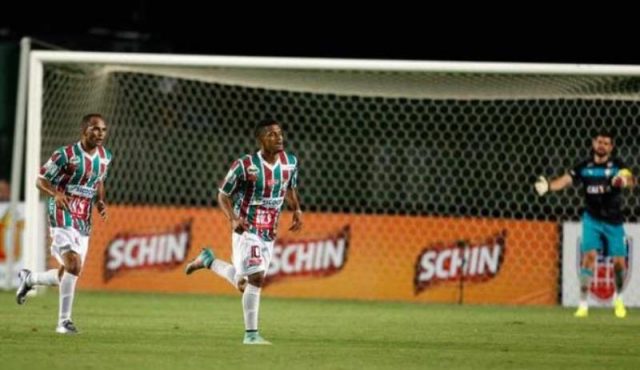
point(96, 133)
point(602, 146)
point(272, 139)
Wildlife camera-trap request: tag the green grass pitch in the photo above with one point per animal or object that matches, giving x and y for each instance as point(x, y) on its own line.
point(157, 331)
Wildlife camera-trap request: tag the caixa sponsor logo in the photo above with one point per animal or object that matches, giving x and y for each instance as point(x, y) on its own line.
point(81, 191)
point(603, 283)
point(269, 202)
point(309, 258)
point(473, 262)
point(156, 250)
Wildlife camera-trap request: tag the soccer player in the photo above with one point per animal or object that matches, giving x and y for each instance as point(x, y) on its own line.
point(73, 178)
point(602, 176)
point(251, 196)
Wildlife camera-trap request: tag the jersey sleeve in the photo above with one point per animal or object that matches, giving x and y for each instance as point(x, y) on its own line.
point(106, 161)
point(233, 178)
point(576, 172)
point(293, 184)
point(53, 165)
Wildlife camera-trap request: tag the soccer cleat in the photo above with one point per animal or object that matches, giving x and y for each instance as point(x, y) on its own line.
point(24, 287)
point(254, 338)
point(66, 327)
point(619, 309)
point(203, 260)
point(582, 312)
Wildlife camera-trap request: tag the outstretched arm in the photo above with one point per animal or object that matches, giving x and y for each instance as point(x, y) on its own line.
point(293, 200)
point(47, 188)
point(543, 185)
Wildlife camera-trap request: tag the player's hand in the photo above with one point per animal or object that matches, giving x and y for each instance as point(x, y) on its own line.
point(542, 185)
point(623, 179)
point(61, 200)
point(239, 225)
point(296, 223)
point(102, 209)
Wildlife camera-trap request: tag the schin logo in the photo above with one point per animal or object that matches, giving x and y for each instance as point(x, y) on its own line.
point(161, 250)
point(310, 258)
point(473, 262)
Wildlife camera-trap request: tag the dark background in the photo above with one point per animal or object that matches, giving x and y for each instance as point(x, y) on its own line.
point(536, 32)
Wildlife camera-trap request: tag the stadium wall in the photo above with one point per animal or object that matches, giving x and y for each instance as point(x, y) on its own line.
point(337, 256)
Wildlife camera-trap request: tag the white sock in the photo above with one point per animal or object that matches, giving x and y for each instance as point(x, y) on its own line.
point(67, 290)
point(49, 277)
point(617, 295)
point(225, 270)
point(251, 306)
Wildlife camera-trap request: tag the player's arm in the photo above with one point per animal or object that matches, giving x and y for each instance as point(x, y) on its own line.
point(543, 185)
point(48, 172)
point(48, 189)
point(238, 224)
point(293, 201)
point(101, 204)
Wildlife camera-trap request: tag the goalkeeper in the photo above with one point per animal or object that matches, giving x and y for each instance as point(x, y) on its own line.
point(602, 177)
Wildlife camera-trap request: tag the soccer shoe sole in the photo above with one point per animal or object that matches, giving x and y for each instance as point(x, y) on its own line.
point(581, 314)
point(63, 330)
point(262, 342)
point(23, 288)
point(198, 262)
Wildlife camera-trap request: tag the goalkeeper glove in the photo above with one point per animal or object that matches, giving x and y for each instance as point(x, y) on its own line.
point(542, 185)
point(623, 179)
point(619, 182)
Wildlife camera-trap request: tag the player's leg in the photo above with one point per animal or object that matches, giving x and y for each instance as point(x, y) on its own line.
point(251, 309)
point(29, 279)
point(71, 247)
point(255, 257)
point(618, 251)
point(208, 260)
point(72, 267)
point(591, 243)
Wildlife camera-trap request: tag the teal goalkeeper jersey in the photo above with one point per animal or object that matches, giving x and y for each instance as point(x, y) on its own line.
point(258, 190)
point(76, 173)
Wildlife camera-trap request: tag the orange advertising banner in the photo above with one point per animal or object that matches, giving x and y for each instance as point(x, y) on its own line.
point(336, 256)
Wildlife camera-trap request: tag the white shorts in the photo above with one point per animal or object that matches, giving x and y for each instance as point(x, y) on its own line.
point(251, 254)
point(64, 240)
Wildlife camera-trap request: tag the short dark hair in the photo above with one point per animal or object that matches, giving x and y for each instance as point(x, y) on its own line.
point(86, 120)
point(604, 132)
point(262, 124)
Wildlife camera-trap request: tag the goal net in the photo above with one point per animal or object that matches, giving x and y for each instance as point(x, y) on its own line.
point(416, 178)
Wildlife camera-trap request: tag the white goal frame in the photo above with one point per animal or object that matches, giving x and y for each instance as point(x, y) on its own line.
point(34, 252)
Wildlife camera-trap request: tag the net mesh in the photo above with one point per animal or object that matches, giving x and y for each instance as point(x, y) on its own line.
point(375, 143)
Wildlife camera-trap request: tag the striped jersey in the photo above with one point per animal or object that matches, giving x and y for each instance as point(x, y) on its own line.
point(76, 173)
point(258, 190)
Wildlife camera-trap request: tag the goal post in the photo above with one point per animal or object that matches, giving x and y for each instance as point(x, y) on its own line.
point(441, 156)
